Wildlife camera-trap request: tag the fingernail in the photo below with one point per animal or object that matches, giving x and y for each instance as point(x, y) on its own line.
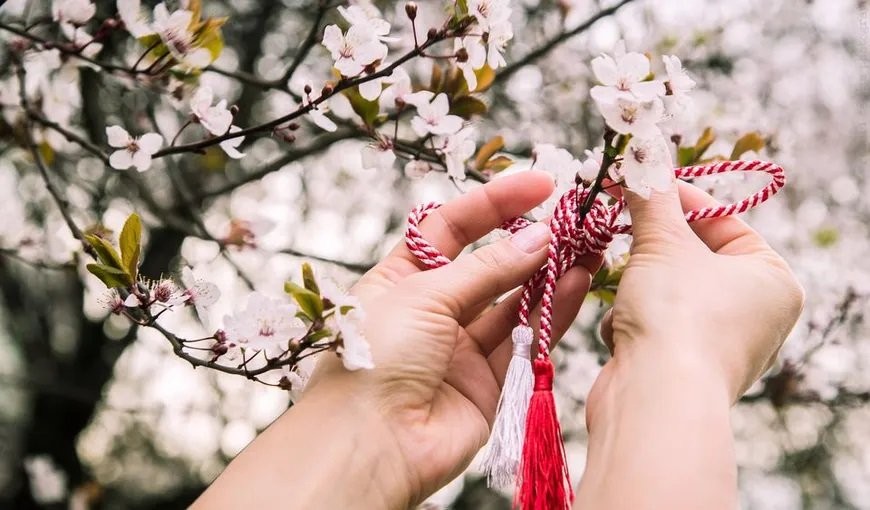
point(532, 238)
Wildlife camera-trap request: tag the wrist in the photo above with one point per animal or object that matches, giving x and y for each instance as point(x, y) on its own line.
point(359, 464)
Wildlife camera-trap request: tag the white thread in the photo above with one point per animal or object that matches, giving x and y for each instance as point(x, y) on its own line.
point(509, 430)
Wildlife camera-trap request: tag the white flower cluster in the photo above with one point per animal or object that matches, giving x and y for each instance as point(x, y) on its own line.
point(175, 30)
point(634, 105)
point(165, 293)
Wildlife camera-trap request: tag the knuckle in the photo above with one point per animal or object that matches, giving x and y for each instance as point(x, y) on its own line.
point(491, 259)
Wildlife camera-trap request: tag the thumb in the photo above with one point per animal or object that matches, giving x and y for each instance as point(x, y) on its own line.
point(658, 218)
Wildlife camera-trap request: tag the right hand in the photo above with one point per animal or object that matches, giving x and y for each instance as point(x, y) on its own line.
point(710, 295)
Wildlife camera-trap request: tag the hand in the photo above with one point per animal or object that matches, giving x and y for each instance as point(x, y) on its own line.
point(439, 361)
point(711, 292)
point(700, 314)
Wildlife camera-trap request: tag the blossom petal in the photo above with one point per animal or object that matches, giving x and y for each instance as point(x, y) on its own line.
point(117, 136)
point(604, 68)
point(150, 143)
point(121, 160)
point(141, 160)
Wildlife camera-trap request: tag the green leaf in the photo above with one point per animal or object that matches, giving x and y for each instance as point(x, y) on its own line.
point(105, 251)
point(485, 78)
point(704, 142)
point(748, 142)
point(308, 278)
point(462, 6)
point(308, 301)
point(487, 151)
point(606, 295)
point(367, 110)
point(826, 237)
point(467, 106)
point(110, 276)
point(685, 156)
point(130, 241)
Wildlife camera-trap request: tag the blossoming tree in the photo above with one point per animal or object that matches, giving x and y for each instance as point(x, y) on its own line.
point(152, 145)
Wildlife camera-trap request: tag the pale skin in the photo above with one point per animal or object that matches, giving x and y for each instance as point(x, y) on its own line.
point(701, 313)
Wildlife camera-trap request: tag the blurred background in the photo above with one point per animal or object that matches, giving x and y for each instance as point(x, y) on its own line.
point(95, 413)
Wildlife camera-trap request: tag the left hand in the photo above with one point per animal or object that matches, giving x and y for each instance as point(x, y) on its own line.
point(440, 350)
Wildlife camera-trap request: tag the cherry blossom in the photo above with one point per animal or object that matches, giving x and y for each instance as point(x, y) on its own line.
point(475, 58)
point(647, 165)
point(679, 82)
point(417, 169)
point(265, 324)
point(496, 39)
point(134, 152)
point(74, 12)
point(623, 77)
point(134, 18)
point(200, 293)
point(372, 88)
point(354, 350)
point(83, 40)
point(456, 149)
point(378, 156)
point(369, 17)
point(216, 119)
point(592, 164)
point(489, 12)
point(433, 114)
point(317, 114)
point(231, 145)
point(399, 88)
point(629, 116)
point(355, 50)
point(175, 31)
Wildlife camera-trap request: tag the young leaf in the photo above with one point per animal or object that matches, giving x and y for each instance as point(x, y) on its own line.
point(367, 110)
point(308, 301)
point(704, 142)
point(130, 241)
point(436, 79)
point(485, 78)
point(105, 251)
point(487, 150)
point(467, 106)
point(308, 278)
point(685, 156)
point(748, 142)
point(497, 164)
point(110, 276)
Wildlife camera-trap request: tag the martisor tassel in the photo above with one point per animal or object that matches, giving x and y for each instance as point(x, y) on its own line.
point(509, 430)
point(544, 483)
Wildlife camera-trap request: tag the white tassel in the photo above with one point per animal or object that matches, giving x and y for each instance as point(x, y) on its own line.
point(506, 443)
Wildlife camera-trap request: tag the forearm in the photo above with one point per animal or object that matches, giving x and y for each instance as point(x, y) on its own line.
point(659, 437)
point(323, 453)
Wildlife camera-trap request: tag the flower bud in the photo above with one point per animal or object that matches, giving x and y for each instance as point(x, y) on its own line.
point(462, 55)
point(411, 10)
point(326, 90)
point(293, 126)
point(307, 89)
point(234, 109)
point(432, 33)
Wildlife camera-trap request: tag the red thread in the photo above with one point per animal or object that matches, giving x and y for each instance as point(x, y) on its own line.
point(544, 483)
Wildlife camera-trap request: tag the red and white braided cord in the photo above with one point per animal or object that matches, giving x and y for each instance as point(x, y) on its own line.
point(569, 240)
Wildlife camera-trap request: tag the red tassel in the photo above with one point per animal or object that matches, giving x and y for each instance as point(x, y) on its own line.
point(544, 482)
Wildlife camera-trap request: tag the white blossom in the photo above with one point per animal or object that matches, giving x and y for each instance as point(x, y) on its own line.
point(476, 58)
point(497, 38)
point(200, 293)
point(317, 114)
point(214, 118)
point(231, 145)
point(75, 12)
point(679, 82)
point(417, 169)
point(368, 17)
point(354, 350)
point(433, 114)
point(353, 51)
point(489, 12)
point(627, 115)
point(175, 32)
point(372, 88)
point(456, 149)
point(398, 89)
point(265, 324)
point(647, 165)
point(132, 151)
point(134, 18)
point(592, 164)
point(623, 76)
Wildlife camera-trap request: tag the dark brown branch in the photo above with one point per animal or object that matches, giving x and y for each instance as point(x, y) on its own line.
point(307, 43)
point(548, 46)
